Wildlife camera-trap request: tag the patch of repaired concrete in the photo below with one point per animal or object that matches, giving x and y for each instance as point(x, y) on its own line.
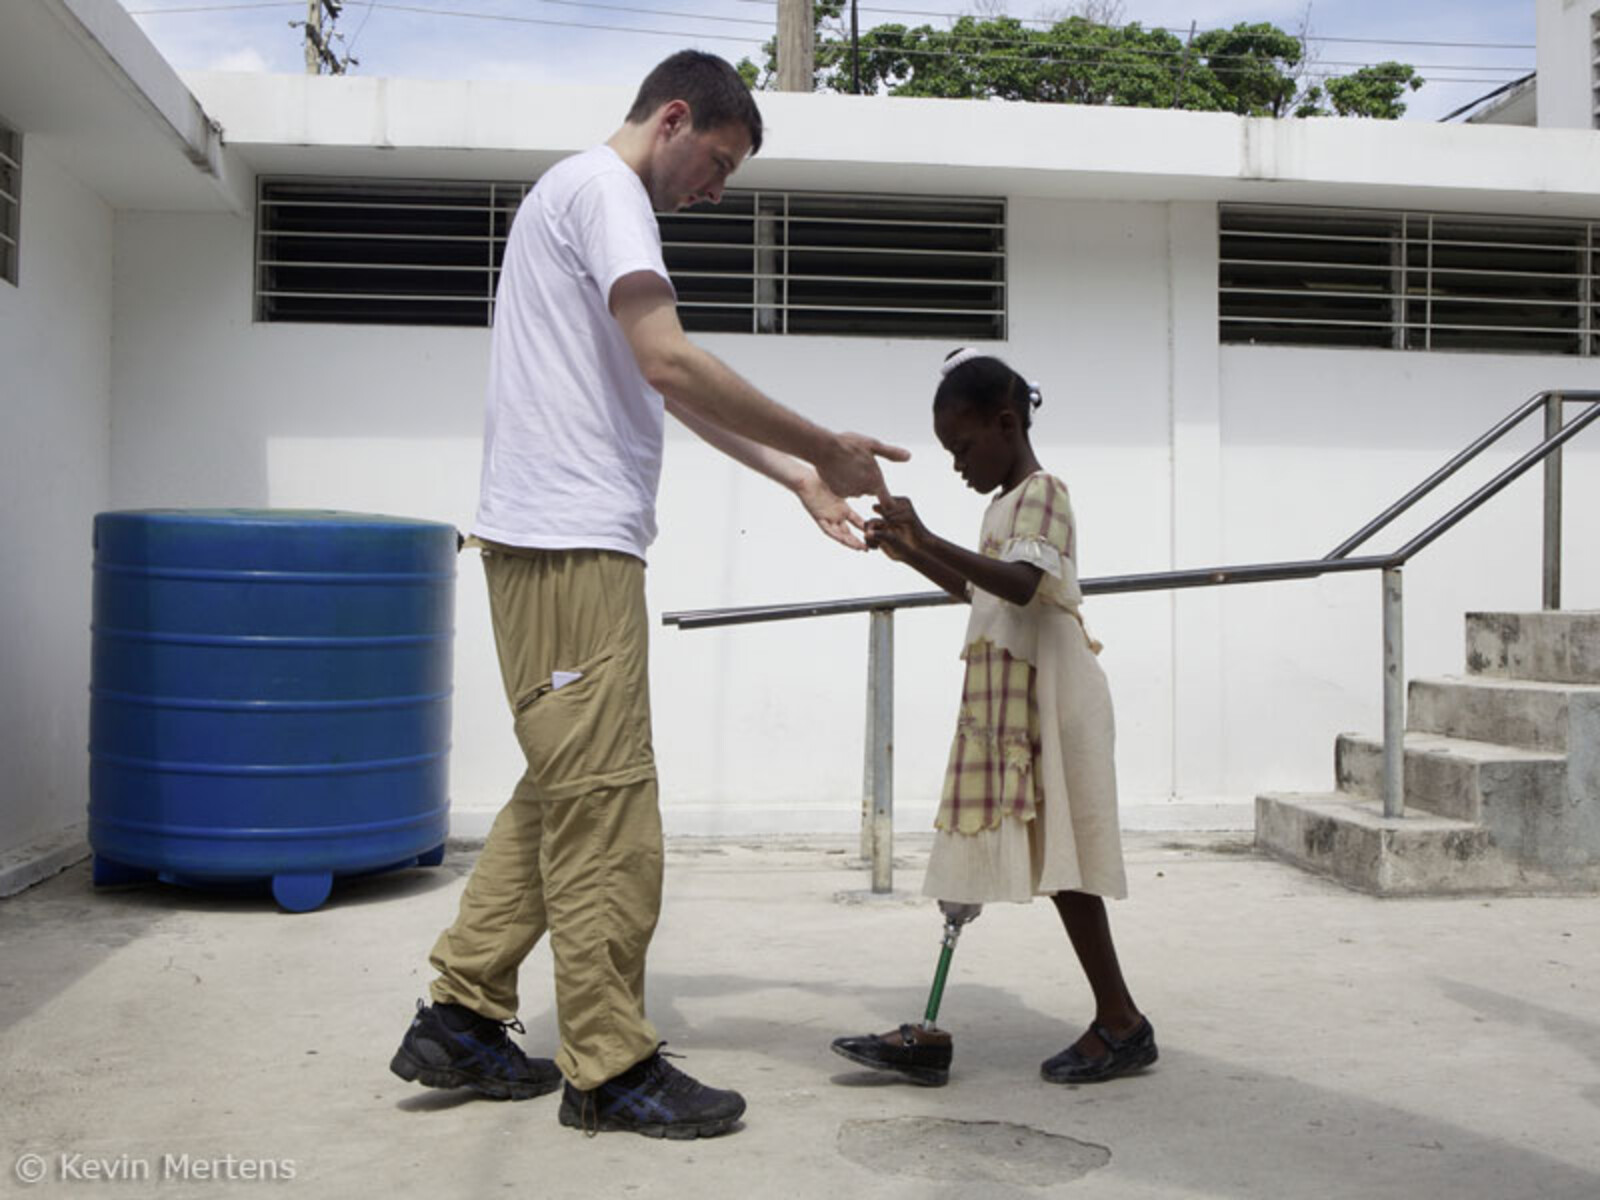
point(969, 1151)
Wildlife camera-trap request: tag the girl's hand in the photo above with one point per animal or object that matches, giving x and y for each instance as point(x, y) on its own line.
point(880, 537)
point(901, 522)
point(832, 515)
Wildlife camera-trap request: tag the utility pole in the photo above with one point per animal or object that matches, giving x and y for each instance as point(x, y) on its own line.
point(1183, 73)
point(313, 37)
point(797, 49)
point(855, 51)
point(319, 48)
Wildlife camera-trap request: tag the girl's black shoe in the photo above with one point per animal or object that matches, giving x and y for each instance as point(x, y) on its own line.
point(920, 1055)
point(1123, 1055)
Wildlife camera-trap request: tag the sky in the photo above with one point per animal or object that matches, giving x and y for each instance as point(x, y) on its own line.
point(617, 41)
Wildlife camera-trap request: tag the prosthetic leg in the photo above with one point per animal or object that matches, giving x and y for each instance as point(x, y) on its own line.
point(920, 1053)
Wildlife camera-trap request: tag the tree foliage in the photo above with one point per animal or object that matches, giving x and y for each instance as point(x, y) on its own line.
point(1373, 91)
point(1252, 69)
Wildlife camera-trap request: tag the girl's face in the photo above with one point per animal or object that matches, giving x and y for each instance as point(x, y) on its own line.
point(982, 444)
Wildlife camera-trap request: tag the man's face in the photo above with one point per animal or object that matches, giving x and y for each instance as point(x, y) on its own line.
point(692, 165)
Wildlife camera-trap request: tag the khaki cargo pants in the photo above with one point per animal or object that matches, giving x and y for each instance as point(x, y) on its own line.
point(577, 849)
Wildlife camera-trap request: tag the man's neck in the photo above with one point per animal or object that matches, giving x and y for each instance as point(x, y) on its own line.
point(632, 144)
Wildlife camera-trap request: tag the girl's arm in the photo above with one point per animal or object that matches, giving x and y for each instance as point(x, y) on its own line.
point(878, 538)
point(945, 563)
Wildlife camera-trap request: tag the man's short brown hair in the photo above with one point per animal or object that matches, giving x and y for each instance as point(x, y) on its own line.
point(709, 85)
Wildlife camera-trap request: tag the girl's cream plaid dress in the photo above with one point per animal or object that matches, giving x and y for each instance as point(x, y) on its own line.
point(1030, 795)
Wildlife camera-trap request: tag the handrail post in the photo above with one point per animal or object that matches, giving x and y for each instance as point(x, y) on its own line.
point(880, 747)
point(1394, 696)
point(1551, 592)
point(869, 743)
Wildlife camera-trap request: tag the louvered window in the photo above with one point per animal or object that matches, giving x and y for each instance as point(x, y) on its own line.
point(386, 252)
point(380, 252)
point(814, 262)
point(1594, 69)
point(10, 201)
point(1409, 281)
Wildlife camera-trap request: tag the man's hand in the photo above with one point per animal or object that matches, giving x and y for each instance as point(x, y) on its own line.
point(850, 467)
point(832, 515)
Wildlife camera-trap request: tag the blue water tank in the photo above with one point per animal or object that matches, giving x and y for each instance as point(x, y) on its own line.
point(270, 697)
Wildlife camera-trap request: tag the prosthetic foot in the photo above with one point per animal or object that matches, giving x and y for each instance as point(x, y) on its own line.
point(913, 1052)
point(919, 1053)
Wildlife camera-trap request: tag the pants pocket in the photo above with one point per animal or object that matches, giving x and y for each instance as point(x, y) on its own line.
point(593, 729)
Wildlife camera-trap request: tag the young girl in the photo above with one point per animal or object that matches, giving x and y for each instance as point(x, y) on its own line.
point(1030, 794)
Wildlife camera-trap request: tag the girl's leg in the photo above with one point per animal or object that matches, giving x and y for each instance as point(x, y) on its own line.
point(1090, 932)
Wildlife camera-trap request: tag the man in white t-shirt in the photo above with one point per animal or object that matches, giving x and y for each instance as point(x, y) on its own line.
point(587, 355)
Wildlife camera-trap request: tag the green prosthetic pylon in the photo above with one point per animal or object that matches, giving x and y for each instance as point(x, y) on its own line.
point(952, 931)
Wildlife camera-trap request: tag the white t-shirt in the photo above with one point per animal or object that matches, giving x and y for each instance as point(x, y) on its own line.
point(572, 433)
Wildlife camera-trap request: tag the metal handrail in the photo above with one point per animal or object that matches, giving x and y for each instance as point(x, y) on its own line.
point(878, 832)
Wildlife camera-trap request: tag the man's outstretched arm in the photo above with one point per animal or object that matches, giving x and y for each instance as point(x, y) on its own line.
point(832, 515)
point(697, 381)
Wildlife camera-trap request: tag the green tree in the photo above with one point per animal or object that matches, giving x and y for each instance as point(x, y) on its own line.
point(1253, 66)
point(1252, 69)
point(1374, 91)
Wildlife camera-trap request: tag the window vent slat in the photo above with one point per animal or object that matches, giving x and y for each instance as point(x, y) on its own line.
point(420, 252)
point(10, 201)
point(1406, 280)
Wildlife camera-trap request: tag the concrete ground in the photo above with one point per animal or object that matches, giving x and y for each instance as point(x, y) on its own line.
point(1314, 1042)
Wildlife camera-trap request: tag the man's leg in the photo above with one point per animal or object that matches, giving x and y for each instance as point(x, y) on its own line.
point(584, 726)
point(501, 916)
point(460, 1040)
point(586, 734)
point(602, 871)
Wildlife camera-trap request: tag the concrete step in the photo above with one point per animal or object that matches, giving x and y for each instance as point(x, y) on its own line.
point(1513, 793)
point(1347, 838)
point(1512, 712)
point(1556, 647)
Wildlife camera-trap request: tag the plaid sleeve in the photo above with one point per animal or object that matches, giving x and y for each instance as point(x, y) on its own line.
point(1043, 514)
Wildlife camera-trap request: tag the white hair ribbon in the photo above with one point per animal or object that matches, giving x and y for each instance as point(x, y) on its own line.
point(965, 355)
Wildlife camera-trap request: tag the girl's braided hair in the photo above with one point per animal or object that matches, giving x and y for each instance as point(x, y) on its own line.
point(984, 382)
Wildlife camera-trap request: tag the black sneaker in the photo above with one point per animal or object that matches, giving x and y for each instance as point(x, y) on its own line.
point(449, 1046)
point(654, 1098)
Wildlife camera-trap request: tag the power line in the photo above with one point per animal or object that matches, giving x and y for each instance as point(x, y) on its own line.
point(516, 20)
point(1040, 60)
point(1311, 37)
point(207, 8)
point(986, 39)
point(908, 12)
point(445, 12)
point(919, 53)
point(350, 46)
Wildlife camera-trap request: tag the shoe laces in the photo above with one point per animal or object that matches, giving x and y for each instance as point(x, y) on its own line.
point(496, 1034)
point(669, 1078)
point(502, 1040)
point(588, 1115)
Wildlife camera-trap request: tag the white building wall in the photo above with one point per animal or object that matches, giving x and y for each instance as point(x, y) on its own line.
point(1178, 454)
point(1315, 444)
point(756, 727)
point(1566, 71)
point(55, 344)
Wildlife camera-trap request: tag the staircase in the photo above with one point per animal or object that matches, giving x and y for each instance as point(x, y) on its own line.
point(1502, 775)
